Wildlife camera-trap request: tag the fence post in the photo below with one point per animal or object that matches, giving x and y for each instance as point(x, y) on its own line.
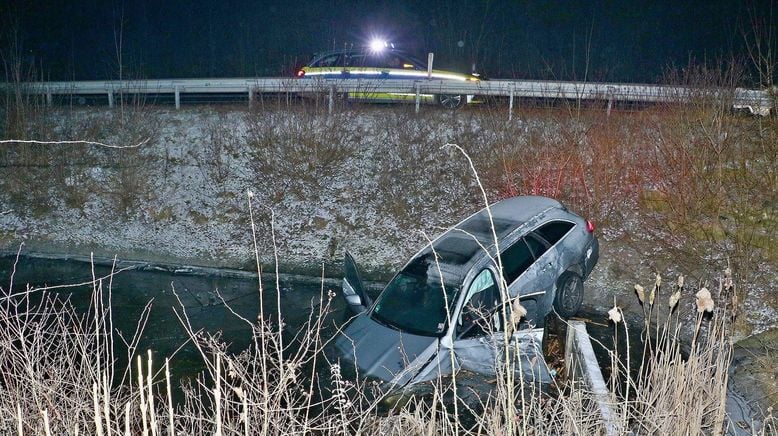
point(510, 105)
point(178, 98)
point(331, 103)
point(611, 92)
point(418, 96)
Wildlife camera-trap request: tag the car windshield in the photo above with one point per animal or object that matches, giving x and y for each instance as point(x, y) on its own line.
point(415, 301)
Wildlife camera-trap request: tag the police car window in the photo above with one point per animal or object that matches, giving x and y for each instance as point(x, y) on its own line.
point(515, 260)
point(410, 62)
point(374, 61)
point(356, 60)
point(327, 61)
point(554, 231)
point(392, 61)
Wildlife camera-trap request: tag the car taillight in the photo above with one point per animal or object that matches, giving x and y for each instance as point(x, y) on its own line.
point(589, 226)
point(300, 73)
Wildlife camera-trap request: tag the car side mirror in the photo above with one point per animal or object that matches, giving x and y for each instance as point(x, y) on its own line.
point(353, 299)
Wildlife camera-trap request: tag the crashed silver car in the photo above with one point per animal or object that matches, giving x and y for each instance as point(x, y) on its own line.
point(444, 310)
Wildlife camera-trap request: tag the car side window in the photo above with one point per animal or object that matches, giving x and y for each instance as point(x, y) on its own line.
point(366, 61)
point(478, 316)
point(407, 63)
point(537, 246)
point(391, 61)
point(327, 61)
point(554, 231)
point(515, 260)
point(355, 60)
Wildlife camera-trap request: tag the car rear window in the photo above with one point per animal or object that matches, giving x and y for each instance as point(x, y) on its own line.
point(554, 231)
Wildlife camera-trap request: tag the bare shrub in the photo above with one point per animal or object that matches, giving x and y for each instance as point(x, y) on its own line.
point(410, 168)
point(590, 162)
point(710, 178)
point(19, 109)
point(220, 148)
point(761, 41)
point(299, 154)
point(58, 364)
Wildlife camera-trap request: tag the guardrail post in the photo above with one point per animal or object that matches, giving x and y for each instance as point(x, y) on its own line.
point(510, 105)
point(49, 99)
point(611, 90)
point(331, 103)
point(178, 98)
point(110, 99)
point(418, 96)
point(251, 96)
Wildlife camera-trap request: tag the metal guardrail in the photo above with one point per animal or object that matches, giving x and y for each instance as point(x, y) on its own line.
point(756, 101)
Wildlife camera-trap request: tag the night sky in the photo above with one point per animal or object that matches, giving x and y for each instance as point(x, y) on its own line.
point(613, 40)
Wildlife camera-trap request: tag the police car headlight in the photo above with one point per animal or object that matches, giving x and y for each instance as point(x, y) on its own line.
point(377, 45)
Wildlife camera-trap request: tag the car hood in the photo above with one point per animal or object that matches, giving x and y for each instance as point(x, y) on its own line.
point(382, 352)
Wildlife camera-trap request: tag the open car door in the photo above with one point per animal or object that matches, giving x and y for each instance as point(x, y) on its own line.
point(353, 289)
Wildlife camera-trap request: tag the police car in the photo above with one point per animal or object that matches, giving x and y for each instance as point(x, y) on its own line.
point(379, 61)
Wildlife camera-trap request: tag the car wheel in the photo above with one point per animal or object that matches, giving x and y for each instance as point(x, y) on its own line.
point(450, 101)
point(569, 295)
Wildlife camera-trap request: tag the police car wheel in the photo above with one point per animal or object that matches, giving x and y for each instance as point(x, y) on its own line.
point(450, 101)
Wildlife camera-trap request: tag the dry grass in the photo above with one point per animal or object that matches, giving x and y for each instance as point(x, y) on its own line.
point(34, 174)
point(304, 152)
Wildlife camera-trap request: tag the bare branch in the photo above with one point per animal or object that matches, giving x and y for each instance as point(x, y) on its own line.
point(32, 141)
